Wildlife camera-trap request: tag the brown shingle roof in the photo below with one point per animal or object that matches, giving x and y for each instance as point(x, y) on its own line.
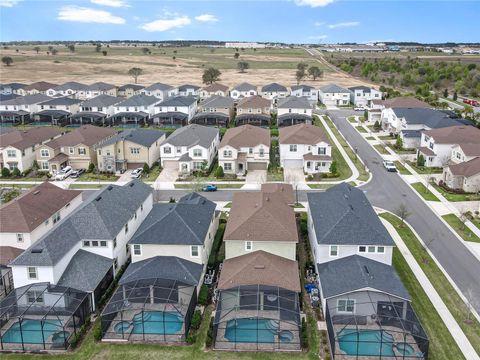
point(302, 134)
point(455, 135)
point(260, 268)
point(467, 169)
point(216, 87)
point(403, 102)
point(261, 217)
point(426, 151)
point(314, 157)
point(284, 190)
point(23, 139)
point(8, 253)
point(40, 86)
point(246, 136)
point(87, 135)
point(254, 102)
point(470, 149)
point(26, 212)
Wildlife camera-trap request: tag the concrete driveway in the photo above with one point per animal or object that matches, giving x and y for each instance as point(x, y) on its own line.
point(166, 179)
point(256, 176)
point(293, 175)
point(125, 177)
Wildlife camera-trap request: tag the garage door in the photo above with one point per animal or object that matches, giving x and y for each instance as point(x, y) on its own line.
point(290, 164)
point(170, 164)
point(79, 164)
point(256, 166)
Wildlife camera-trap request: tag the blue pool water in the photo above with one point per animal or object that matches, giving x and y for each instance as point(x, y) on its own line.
point(157, 322)
point(31, 332)
point(366, 342)
point(251, 330)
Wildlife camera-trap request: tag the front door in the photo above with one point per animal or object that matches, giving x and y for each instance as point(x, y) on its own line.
point(240, 167)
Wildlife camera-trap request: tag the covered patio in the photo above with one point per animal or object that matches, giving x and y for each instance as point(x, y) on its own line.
point(53, 117)
point(132, 119)
point(19, 117)
point(86, 117)
point(253, 119)
point(210, 119)
point(293, 119)
point(169, 119)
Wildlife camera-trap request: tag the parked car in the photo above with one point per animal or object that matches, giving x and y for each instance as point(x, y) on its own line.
point(64, 173)
point(210, 187)
point(389, 165)
point(358, 108)
point(136, 173)
point(77, 173)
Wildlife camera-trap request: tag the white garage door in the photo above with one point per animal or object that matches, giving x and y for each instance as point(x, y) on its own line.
point(290, 164)
point(256, 166)
point(170, 164)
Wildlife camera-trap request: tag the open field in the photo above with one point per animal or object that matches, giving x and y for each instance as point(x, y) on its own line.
point(87, 66)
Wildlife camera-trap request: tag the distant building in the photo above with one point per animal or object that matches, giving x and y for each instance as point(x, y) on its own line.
point(245, 45)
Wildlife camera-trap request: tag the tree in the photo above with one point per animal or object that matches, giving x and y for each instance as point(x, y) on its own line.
point(174, 58)
point(104, 52)
point(37, 49)
point(455, 96)
point(98, 47)
point(135, 73)
point(54, 51)
point(399, 143)
point(50, 47)
point(5, 172)
point(71, 47)
point(211, 75)
point(402, 212)
point(300, 75)
point(315, 72)
point(333, 167)
point(7, 60)
point(302, 66)
point(219, 172)
point(420, 161)
point(146, 168)
point(146, 50)
point(242, 66)
point(445, 93)
point(376, 126)
point(91, 168)
point(236, 56)
point(16, 172)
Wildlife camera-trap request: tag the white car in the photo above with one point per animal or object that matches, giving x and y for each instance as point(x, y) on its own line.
point(389, 165)
point(64, 173)
point(136, 173)
point(358, 108)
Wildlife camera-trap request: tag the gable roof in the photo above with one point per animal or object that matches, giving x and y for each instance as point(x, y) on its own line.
point(27, 100)
point(294, 102)
point(144, 137)
point(403, 101)
point(183, 223)
point(14, 86)
point(245, 136)
point(100, 86)
point(470, 149)
point(467, 168)
point(71, 85)
point(218, 101)
point(101, 217)
point(31, 209)
point(260, 268)
point(303, 87)
point(185, 87)
point(431, 118)
point(274, 87)
point(40, 86)
point(354, 273)
point(139, 100)
point(64, 100)
point(455, 135)
point(216, 87)
point(365, 89)
point(333, 88)
point(254, 102)
point(302, 134)
point(22, 139)
point(7, 254)
point(342, 215)
point(281, 189)
point(102, 100)
point(245, 87)
point(178, 101)
point(135, 87)
point(163, 267)
point(191, 135)
point(261, 217)
point(158, 86)
point(87, 135)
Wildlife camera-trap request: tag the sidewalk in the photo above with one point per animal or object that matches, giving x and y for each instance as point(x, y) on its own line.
point(453, 327)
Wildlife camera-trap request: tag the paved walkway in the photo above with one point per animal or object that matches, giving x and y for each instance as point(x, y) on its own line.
point(450, 322)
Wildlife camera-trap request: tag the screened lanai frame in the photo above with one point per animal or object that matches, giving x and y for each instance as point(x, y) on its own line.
point(397, 330)
point(42, 316)
point(269, 319)
point(149, 310)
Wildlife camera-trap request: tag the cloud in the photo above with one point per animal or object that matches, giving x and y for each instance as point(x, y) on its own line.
point(318, 37)
point(112, 3)
point(206, 18)
point(313, 3)
point(88, 15)
point(344, 25)
point(166, 24)
point(9, 3)
point(319, 23)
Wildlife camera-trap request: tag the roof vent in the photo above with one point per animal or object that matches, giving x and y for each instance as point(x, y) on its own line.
point(110, 187)
point(36, 251)
point(365, 268)
point(131, 184)
point(36, 192)
point(259, 267)
point(98, 198)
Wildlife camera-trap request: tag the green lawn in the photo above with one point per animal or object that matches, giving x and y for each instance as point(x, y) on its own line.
point(361, 129)
point(457, 197)
point(425, 170)
point(403, 151)
point(461, 229)
point(74, 186)
point(424, 192)
point(381, 149)
point(386, 137)
point(402, 169)
point(320, 186)
point(446, 291)
point(369, 138)
point(86, 176)
point(153, 174)
point(352, 119)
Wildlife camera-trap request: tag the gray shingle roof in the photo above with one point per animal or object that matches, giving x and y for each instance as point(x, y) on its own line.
point(101, 86)
point(356, 272)
point(178, 101)
point(135, 87)
point(342, 215)
point(144, 137)
point(139, 100)
point(304, 87)
point(183, 223)
point(102, 101)
point(27, 100)
point(294, 102)
point(274, 87)
point(185, 87)
point(163, 267)
point(431, 118)
point(365, 89)
point(71, 85)
point(62, 101)
point(101, 217)
point(85, 271)
point(191, 135)
point(159, 86)
point(332, 88)
point(217, 101)
point(412, 133)
point(245, 87)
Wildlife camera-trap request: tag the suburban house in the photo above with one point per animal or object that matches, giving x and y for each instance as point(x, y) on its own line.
point(160, 91)
point(294, 110)
point(243, 90)
point(437, 144)
point(334, 95)
point(260, 221)
point(274, 92)
point(214, 89)
point(70, 88)
point(130, 149)
point(11, 88)
point(215, 110)
point(306, 147)
point(134, 110)
point(463, 176)
point(189, 90)
point(174, 111)
point(363, 95)
point(253, 110)
point(376, 106)
point(56, 111)
point(341, 222)
point(18, 110)
point(87, 248)
point(7, 255)
point(189, 148)
point(304, 91)
point(98, 88)
point(17, 148)
point(76, 149)
point(39, 87)
point(129, 90)
point(244, 148)
point(280, 189)
point(96, 110)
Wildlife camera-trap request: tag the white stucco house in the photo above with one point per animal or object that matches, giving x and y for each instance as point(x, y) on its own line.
point(363, 95)
point(160, 91)
point(304, 91)
point(176, 110)
point(334, 95)
point(243, 90)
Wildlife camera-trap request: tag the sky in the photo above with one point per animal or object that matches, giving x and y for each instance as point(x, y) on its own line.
point(288, 21)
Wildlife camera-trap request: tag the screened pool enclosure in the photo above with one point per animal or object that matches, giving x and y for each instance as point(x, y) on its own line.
point(257, 317)
point(42, 317)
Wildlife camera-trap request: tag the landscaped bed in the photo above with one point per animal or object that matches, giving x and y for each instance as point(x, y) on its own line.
point(424, 192)
point(425, 170)
point(451, 196)
point(402, 169)
point(381, 149)
point(360, 129)
point(461, 229)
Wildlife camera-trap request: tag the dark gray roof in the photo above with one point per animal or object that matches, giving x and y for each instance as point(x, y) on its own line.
point(274, 87)
point(185, 87)
point(185, 157)
point(139, 100)
point(71, 85)
point(101, 217)
point(431, 118)
point(342, 215)
point(159, 86)
point(245, 87)
point(15, 86)
point(365, 89)
point(61, 101)
point(177, 115)
point(294, 102)
point(101, 86)
point(191, 135)
point(163, 267)
point(178, 101)
point(332, 88)
point(144, 137)
point(412, 133)
point(85, 271)
point(102, 101)
point(183, 223)
point(217, 101)
point(304, 87)
point(355, 272)
point(135, 87)
point(11, 96)
point(27, 100)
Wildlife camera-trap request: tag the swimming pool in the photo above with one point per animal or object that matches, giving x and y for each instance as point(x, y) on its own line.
point(157, 322)
point(31, 332)
point(366, 342)
point(253, 330)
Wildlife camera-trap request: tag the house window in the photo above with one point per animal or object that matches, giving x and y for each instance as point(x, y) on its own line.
point(141, 207)
point(44, 153)
point(194, 251)
point(293, 148)
point(135, 151)
point(344, 305)
point(362, 249)
point(99, 151)
point(20, 238)
point(197, 165)
point(115, 263)
point(82, 151)
point(179, 150)
point(44, 165)
point(11, 153)
point(227, 166)
point(333, 250)
point(197, 152)
point(32, 273)
point(248, 246)
point(126, 228)
point(137, 250)
point(86, 243)
point(459, 157)
point(227, 153)
point(167, 150)
point(371, 249)
point(34, 297)
point(262, 152)
point(250, 151)
point(103, 243)
point(380, 249)
point(94, 243)
point(56, 217)
point(114, 243)
point(322, 151)
point(71, 150)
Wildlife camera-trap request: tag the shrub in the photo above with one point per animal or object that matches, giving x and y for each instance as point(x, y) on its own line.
point(35, 165)
point(304, 339)
point(219, 172)
point(203, 295)
point(333, 167)
point(97, 330)
point(398, 144)
point(209, 340)
point(420, 160)
point(376, 126)
point(310, 178)
point(196, 320)
point(191, 338)
point(146, 168)
point(91, 168)
point(16, 172)
point(5, 172)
